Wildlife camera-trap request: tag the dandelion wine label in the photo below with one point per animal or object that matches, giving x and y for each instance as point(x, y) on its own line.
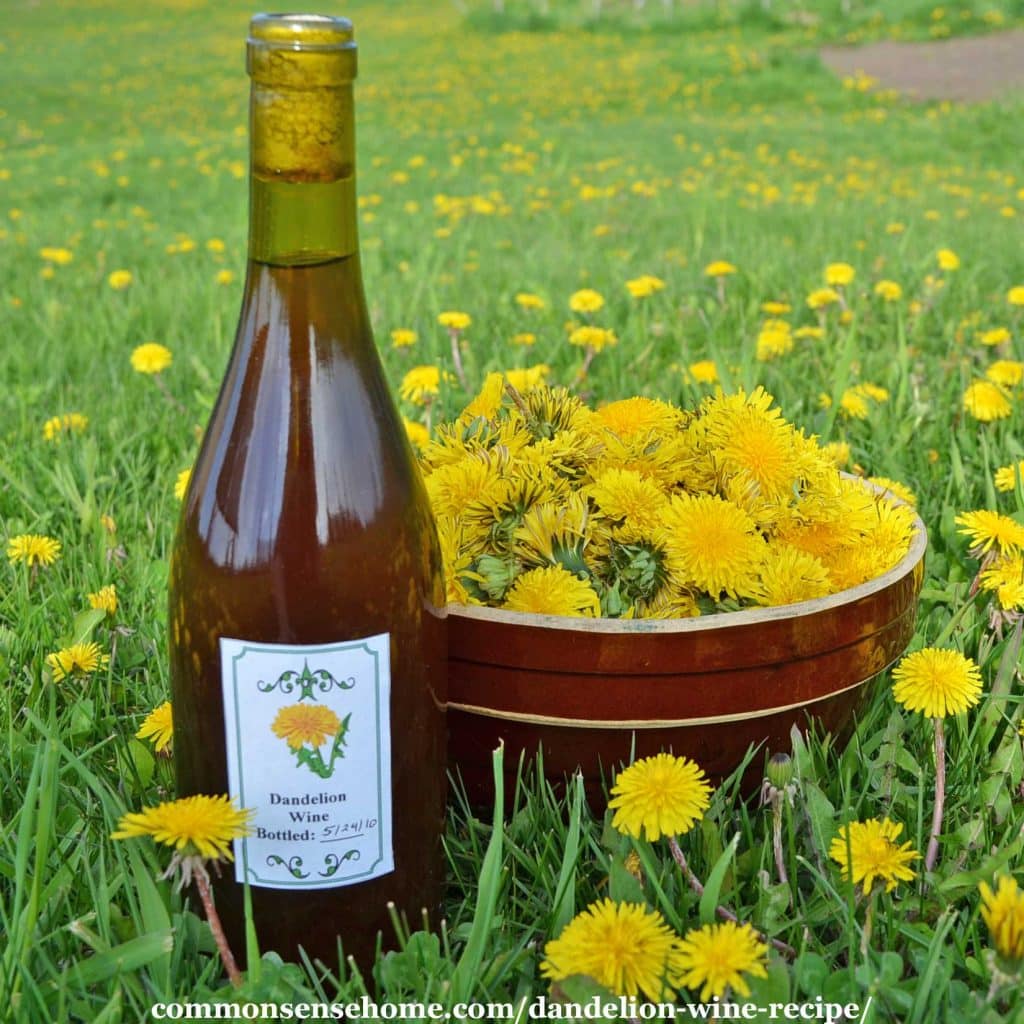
point(306, 599)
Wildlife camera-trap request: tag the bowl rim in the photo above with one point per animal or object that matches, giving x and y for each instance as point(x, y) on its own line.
point(721, 620)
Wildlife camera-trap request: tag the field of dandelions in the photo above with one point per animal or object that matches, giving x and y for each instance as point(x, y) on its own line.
point(745, 218)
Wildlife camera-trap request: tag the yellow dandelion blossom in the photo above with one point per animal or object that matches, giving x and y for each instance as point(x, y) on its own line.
point(488, 401)
point(632, 417)
point(454, 320)
point(1006, 476)
point(947, 260)
point(895, 488)
point(402, 337)
point(866, 852)
point(719, 268)
point(837, 275)
point(181, 483)
point(596, 338)
point(717, 957)
point(201, 826)
point(527, 300)
point(55, 428)
point(151, 358)
point(586, 300)
point(524, 339)
point(1004, 577)
point(300, 724)
point(33, 549)
point(225, 277)
point(889, 291)
point(54, 254)
point(711, 543)
point(420, 384)
point(995, 336)
point(158, 727)
point(1015, 296)
point(773, 341)
point(105, 598)
point(552, 590)
point(1007, 372)
point(838, 452)
point(627, 495)
point(986, 401)
point(119, 279)
point(78, 659)
point(1003, 913)
point(644, 286)
point(775, 308)
point(704, 371)
point(937, 682)
point(789, 575)
point(660, 795)
point(528, 377)
point(814, 333)
point(417, 433)
point(822, 298)
point(623, 946)
point(454, 486)
point(987, 529)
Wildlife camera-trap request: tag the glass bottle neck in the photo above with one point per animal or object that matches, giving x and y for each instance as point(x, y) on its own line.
point(302, 194)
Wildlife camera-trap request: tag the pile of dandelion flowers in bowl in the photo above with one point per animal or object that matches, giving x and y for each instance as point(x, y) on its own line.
point(640, 509)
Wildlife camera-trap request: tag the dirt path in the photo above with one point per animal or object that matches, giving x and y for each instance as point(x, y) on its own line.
point(970, 70)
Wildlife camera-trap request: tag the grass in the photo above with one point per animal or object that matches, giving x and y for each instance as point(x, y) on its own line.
point(494, 162)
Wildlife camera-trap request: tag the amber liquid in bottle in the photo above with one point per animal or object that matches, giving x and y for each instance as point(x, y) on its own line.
point(307, 638)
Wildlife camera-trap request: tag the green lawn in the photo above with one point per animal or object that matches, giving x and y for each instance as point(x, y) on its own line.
point(500, 155)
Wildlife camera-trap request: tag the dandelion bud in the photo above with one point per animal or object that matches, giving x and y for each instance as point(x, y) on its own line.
point(780, 770)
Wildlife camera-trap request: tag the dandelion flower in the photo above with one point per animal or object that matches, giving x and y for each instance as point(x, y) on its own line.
point(302, 724)
point(1007, 372)
point(225, 276)
point(623, 946)
point(158, 727)
point(596, 338)
point(119, 279)
point(78, 659)
point(454, 320)
point(629, 417)
point(1003, 913)
point(837, 275)
point(712, 544)
point(527, 300)
point(889, 291)
point(402, 337)
point(151, 358)
point(821, 298)
point(995, 336)
point(866, 851)
point(181, 483)
point(57, 255)
point(33, 549)
point(644, 286)
point(704, 371)
point(987, 529)
point(717, 956)
point(194, 825)
point(986, 401)
point(105, 598)
point(70, 423)
point(719, 268)
point(420, 384)
point(773, 341)
point(937, 682)
point(814, 333)
point(528, 377)
point(552, 590)
point(1004, 577)
point(790, 575)
point(586, 300)
point(1015, 296)
point(660, 795)
point(775, 308)
point(524, 338)
point(948, 260)
point(416, 432)
point(1006, 476)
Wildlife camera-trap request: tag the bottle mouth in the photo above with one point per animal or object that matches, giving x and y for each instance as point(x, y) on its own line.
point(318, 33)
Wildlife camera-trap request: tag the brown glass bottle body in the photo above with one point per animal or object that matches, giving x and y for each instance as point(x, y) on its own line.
point(306, 522)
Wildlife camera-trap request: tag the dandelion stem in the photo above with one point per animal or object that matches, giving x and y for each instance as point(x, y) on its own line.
point(723, 912)
point(167, 394)
point(780, 862)
point(940, 796)
point(228, 958)
point(588, 358)
point(457, 356)
point(869, 922)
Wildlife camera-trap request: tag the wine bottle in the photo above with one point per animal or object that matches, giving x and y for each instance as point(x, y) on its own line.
point(307, 640)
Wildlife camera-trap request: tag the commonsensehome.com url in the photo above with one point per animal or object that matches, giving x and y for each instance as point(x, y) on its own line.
point(597, 1009)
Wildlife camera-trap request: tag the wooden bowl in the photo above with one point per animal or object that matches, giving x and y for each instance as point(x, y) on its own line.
point(594, 692)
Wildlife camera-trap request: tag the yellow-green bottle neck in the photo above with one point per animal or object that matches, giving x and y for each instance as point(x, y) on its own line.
point(302, 192)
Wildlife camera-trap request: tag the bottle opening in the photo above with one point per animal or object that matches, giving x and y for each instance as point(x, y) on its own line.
point(317, 32)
